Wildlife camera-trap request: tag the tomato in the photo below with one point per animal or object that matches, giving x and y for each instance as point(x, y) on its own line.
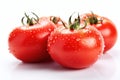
point(28, 43)
point(105, 26)
point(74, 46)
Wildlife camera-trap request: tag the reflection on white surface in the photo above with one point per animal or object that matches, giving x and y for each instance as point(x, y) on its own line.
point(106, 68)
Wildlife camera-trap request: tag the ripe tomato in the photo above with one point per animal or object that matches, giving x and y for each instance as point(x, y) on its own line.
point(75, 47)
point(105, 26)
point(28, 43)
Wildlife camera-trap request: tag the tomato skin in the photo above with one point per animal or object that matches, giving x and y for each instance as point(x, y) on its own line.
point(29, 43)
point(107, 28)
point(109, 32)
point(77, 48)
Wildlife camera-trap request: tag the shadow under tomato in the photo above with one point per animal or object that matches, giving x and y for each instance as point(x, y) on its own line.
point(104, 68)
point(47, 65)
point(51, 66)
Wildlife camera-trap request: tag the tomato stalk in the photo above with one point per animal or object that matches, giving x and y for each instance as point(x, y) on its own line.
point(30, 21)
point(55, 20)
point(76, 24)
point(93, 19)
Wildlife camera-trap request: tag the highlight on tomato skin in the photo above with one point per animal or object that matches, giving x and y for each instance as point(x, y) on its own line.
point(75, 46)
point(28, 43)
point(105, 26)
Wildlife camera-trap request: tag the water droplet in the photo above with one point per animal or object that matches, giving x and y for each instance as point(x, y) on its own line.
point(13, 35)
point(73, 37)
point(78, 39)
point(100, 55)
point(55, 37)
point(48, 45)
point(33, 32)
point(32, 36)
point(50, 39)
point(62, 38)
point(90, 32)
point(99, 38)
point(30, 31)
point(49, 29)
point(68, 39)
point(53, 41)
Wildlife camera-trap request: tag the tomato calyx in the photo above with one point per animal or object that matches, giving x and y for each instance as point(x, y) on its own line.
point(93, 19)
point(30, 21)
point(76, 24)
point(56, 20)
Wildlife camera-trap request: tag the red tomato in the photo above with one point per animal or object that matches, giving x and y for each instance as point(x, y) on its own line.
point(105, 26)
point(75, 47)
point(28, 43)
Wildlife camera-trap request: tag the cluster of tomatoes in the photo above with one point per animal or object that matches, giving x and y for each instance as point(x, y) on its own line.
point(76, 44)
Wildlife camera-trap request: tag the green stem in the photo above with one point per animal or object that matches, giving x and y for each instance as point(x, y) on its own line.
point(55, 20)
point(92, 19)
point(76, 23)
point(30, 21)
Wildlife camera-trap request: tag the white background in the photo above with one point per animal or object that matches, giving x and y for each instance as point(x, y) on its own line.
point(11, 11)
